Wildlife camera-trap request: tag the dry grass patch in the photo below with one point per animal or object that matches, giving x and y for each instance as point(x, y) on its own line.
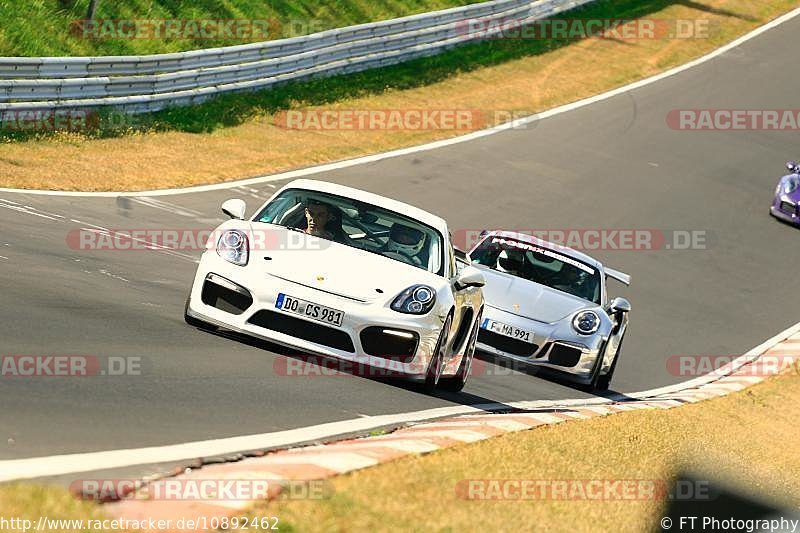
point(743, 439)
point(526, 85)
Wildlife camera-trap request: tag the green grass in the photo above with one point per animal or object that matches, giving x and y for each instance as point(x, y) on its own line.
point(43, 27)
point(235, 108)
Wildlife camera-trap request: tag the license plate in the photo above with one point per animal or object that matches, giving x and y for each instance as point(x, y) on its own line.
point(317, 312)
point(508, 331)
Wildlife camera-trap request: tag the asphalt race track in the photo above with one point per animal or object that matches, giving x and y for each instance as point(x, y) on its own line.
point(614, 164)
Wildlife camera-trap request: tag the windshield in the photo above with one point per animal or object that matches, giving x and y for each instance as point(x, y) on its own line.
point(540, 265)
point(358, 225)
point(791, 185)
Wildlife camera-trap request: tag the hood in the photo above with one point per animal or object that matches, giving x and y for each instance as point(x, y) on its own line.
point(535, 301)
point(336, 268)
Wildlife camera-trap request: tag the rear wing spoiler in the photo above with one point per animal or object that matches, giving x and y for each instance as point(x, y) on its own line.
point(617, 275)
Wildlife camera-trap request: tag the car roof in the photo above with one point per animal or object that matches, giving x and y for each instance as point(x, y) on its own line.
point(416, 213)
point(569, 252)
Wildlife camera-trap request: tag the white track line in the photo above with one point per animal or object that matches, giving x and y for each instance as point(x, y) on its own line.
point(28, 210)
point(438, 144)
point(57, 465)
point(165, 206)
point(87, 462)
point(712, 376)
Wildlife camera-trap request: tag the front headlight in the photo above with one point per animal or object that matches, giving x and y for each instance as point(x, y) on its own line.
point(586, 322)
point(415, 300)
point(233, 246)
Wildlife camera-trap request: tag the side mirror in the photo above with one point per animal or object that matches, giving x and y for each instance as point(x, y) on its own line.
point(469, 277)
point(234, 208)
point(791, 165)
point(619, 305)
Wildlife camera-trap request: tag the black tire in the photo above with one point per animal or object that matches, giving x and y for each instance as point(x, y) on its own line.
point(457, 382)
point(196, 322)
point(434, 371)
point(605, 381)
point(594, 380)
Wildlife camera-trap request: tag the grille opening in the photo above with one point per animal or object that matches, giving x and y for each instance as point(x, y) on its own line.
point(225, 299)
point(400, 346)
point(507, 344)
point(563, 355)
point(304, 329)
point(788, 208)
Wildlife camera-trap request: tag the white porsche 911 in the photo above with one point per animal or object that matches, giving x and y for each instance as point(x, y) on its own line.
point(343, 273)
point(547, 307)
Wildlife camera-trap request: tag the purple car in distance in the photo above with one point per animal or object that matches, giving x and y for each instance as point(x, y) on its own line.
point(786, 205)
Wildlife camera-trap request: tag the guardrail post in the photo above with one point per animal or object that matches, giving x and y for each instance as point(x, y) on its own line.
point(92, 8)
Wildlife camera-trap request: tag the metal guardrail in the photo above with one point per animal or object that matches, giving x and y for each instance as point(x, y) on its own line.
point(149, 83)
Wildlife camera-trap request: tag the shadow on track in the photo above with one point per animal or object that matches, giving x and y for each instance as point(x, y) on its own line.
point(552, 376)
point(317, 365)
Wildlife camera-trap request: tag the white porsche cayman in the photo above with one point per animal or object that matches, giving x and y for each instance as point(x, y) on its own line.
point(343, 273)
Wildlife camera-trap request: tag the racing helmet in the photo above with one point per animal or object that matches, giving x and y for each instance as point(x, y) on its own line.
point(405, 240)
point(510, 261)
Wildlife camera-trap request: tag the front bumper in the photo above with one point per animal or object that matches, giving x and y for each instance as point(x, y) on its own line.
point(358, 316)
point(555, 349)
point(776, 211)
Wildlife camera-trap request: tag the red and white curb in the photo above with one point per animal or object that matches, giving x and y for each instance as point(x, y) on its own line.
point(324, 461)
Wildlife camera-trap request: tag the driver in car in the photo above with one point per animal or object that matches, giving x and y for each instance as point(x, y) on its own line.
point(318, 215)
point(407, 242)
point(572, 281)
